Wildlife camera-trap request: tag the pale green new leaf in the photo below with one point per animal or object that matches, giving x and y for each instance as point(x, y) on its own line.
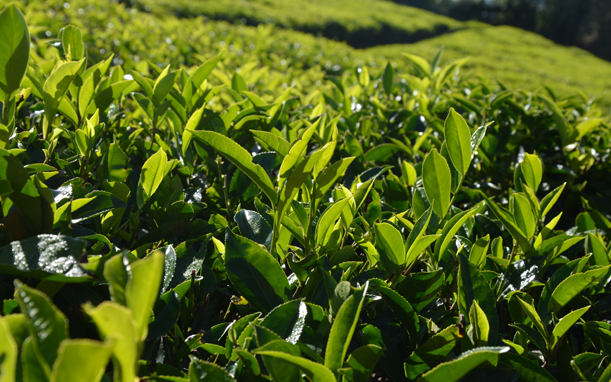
point(479, 322)
point(391, 240)
point(142, 289)
point(437, 182)
point(454, 370)
point(151, 176)
point(116, 323)
point(458, 139)
point(81, 360)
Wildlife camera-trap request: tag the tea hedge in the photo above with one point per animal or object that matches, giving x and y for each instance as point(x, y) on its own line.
point(200, 222)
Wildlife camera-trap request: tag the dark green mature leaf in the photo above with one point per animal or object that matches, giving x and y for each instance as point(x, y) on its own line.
point(473, 287)
point(33, 214)
point(456, 369)
point(432, 352)
point(117, 164)
point(436, 178)
point(254, 227)
point(14, 50)
point(48, 326)
point(204, 371)
point(528, 370)
point(403, 310)
point(458, 139)
point(255, 273)
point(509, 222)
point(240, 158)
point(287, 320)
point(420, 289)
point(81, 360)
point(50, 257)
point(343, 329)
point(387, 78)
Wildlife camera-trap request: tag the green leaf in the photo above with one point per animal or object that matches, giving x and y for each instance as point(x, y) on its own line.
point(432, 352)
point(48, 325)
point(478, 137)
point(596, 245)
point(454, 370)
point(14, 51)
point(162, 87)
point(550, 199)
point(192, 124)
point(534, 317)
point(409, 174)
point(404, 312)
point(55, 88)
point(387, 78)
point(253, 226)
point(479, 322)
point(391, 240)
point(198, 77)
point(437, 180)
point(241, 159)
point(8, 352)
point(81, 360)
point(458, 138)
point(255, 273)
point(116, 322)
point(529, 371)
point(49, 257)
point(117, 164)
point(343, 329)
point(327, 178)
point(473, 287)
point(151, 176)
point(327, 221)
point(415, 235)
point(315, 371)
point(279, 369)
point(72, 43)
point(420, 289)
point(296, 154)
point(566, 322)
point(585, 127)
point(574, 285)
point(532, 171)
point(205, 371)
point(564, 128)
point(250, 363)
point(287, 320)
point(143, 288)
point(420, 63)
point(365, 358)
point(508, 221)
point(524, 217)
point(479, 250)
point(449, 230)
point(272, 142)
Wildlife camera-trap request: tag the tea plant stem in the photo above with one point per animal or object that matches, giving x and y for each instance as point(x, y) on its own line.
point(504, 276)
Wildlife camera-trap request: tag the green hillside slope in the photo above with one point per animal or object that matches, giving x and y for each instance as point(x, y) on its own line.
point(516, 58)
point(361, 23)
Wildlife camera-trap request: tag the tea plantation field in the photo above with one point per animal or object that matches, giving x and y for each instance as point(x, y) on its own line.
point(184, 198)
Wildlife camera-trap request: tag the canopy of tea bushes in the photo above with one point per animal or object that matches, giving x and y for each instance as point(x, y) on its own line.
point(185, 199)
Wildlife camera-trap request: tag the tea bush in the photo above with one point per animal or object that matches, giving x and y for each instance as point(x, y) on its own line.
point(201, 221)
